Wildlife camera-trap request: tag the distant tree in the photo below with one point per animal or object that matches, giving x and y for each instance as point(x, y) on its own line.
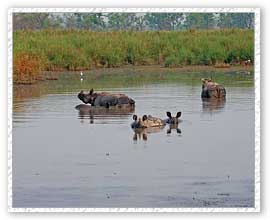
point(56, 21)
point(91, 21)
point(176, 20)
point(250, 20)
point(31, 20)
point(243, 20)
point(236, 20)
point(194, 20)
point(116, 21)
point(69, 20)
point(209, 20)
point(140, 22)
point(200, 21)
point(225, 20)
point(163, 21)
point(132, 21)
point(123, 21)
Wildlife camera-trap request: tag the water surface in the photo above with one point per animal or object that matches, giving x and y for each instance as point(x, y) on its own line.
point(64, 158)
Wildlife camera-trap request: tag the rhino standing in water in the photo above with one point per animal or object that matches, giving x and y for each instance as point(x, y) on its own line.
point(105, 99)
point(212, 89)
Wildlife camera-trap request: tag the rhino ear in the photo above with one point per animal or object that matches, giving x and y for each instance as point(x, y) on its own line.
point(169, 114)
point(144, 117)
point(178, 114)
point(135, 117)
point(91, 91)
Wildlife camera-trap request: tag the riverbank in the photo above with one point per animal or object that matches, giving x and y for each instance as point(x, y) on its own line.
point(153, 69)
point(160, 69)
point(140, 71)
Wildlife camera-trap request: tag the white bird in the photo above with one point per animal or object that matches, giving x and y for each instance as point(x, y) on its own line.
point(81, 76)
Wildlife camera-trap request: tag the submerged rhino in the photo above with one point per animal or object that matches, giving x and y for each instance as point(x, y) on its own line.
point(173, 120)
point(147, 122)
point(212, 89)
point(105, 99)
point(150, 121)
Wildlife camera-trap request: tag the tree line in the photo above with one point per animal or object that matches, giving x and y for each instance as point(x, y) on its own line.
point(132, 21)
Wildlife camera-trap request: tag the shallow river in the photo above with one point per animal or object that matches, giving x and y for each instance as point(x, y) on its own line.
point(63, 158)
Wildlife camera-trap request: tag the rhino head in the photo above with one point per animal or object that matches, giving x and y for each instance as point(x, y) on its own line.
point(205, 81)
point(138, 122)
point(86, 98)
point(173, 120)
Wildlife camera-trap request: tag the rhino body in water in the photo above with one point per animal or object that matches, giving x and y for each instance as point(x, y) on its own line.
point(147, 122)
point(173, 120)
point(150, 121)
point(212, 89)
point(105, 99)
point(146, 125)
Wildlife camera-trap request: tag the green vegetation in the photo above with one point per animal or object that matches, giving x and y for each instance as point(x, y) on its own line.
point(79, 49)
point(77, 41)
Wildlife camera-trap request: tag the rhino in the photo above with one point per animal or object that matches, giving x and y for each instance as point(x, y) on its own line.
point(147, 122)
point(105, 99)
point(212, 89)
point(150, 121)
point(173, 120)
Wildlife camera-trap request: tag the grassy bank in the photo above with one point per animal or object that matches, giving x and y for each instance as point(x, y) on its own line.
point(77, 50)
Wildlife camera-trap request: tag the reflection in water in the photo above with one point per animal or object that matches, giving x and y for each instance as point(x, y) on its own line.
point(89, 112)
point(20, 92)
point(173, 127)
point(213, 105)
point(142, 133)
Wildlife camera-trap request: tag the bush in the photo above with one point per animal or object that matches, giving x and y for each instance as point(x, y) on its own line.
point(26, 67)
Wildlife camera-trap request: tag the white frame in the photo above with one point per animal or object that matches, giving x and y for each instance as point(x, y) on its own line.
point(256, 207)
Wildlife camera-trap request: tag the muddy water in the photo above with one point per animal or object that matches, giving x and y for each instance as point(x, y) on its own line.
point(66, 158)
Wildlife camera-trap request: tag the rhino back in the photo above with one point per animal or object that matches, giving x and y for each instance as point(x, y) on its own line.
point(103, 100)
point(123, 100)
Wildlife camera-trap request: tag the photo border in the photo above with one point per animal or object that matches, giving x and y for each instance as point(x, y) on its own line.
point(257, 179)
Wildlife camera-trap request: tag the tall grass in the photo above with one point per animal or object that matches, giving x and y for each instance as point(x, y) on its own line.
point(80, 49)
